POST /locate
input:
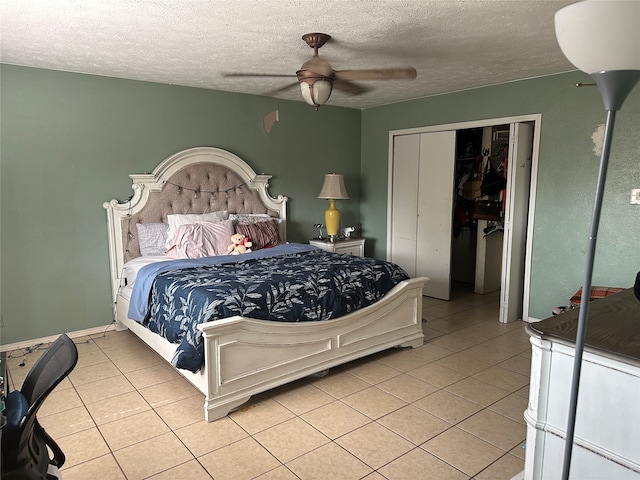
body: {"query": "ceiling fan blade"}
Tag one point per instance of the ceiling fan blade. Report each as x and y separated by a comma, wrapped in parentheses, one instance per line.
(241, 74)
(282, 89)
(318, 65)
(401, 73)
(349, 87)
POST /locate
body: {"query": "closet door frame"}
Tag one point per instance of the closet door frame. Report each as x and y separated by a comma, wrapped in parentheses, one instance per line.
(536, 119)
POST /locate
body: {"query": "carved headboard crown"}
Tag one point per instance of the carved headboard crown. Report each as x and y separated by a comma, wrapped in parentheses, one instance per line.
(197, 180)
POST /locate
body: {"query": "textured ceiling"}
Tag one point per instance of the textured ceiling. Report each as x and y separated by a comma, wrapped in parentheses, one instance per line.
(453, 44)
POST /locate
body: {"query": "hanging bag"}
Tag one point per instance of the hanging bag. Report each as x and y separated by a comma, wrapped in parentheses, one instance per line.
(492, 182)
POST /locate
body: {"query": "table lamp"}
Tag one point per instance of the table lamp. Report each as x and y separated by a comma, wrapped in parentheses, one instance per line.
(333, 189)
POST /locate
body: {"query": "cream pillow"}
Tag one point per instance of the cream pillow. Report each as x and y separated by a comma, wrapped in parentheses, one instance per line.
(175, 220)
(249, 218)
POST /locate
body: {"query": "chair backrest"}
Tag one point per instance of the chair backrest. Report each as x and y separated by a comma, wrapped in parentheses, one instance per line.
(21, 447)
(49, 370)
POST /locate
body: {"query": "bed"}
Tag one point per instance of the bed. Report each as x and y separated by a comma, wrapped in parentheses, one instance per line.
(244, 356)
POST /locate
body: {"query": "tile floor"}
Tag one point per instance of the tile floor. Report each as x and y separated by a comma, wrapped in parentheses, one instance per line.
(452, 409)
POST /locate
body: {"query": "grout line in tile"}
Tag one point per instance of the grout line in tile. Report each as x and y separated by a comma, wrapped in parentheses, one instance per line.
(466, 328)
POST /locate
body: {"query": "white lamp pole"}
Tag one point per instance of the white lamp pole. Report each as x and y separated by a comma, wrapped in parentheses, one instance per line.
(602, 38)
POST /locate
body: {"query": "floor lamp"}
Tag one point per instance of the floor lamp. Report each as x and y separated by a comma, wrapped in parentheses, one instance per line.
(602, 38)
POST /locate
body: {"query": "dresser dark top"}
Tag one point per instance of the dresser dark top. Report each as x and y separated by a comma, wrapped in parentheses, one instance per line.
(613, 327)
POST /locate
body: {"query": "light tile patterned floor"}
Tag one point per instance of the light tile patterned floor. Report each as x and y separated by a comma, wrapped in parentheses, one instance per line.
(452, 409)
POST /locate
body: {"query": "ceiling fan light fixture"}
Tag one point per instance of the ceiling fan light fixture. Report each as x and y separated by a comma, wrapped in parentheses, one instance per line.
(316, 89)
(317, 77)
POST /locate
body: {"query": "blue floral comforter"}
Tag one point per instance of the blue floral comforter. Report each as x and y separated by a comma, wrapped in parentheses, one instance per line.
(308, 285)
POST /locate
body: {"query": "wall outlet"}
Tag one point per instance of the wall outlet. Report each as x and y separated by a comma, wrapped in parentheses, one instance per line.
(635, 196)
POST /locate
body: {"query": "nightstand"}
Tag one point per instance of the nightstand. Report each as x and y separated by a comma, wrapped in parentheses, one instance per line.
(348, 246)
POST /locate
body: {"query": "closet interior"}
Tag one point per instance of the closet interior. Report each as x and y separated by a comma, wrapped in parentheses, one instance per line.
(481, 165)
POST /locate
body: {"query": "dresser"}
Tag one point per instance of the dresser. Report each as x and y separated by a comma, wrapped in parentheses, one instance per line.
(607, 428)
(347, 246)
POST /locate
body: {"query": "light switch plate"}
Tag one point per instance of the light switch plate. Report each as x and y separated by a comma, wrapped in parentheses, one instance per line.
(635, 196)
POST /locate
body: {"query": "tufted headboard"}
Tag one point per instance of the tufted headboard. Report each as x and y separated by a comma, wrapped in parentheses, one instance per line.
(197, 180)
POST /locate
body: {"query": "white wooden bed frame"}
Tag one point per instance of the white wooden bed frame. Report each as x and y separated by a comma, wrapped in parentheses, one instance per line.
(244, 357)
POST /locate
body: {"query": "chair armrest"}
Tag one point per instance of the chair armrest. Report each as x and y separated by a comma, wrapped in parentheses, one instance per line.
(58, 456)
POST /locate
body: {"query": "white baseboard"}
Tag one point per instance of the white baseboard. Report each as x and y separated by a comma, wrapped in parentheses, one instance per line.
(79, 333)
(519, 476)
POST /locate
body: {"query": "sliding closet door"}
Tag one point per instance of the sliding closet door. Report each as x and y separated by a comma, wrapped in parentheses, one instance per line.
(403, 212)
(515, 219)
(421, 211)
(435, 211)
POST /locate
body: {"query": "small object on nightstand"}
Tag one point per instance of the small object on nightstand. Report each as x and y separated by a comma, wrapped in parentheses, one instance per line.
(348, 246)
(347, 231)
(319, 226)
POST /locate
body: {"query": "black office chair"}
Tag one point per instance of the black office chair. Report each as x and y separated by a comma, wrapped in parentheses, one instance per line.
(24, 441)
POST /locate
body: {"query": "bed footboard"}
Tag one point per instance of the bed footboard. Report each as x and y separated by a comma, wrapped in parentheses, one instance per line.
(244, 357)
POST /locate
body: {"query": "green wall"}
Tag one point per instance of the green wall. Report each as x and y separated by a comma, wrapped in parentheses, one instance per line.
(567, 176)
(68, 143)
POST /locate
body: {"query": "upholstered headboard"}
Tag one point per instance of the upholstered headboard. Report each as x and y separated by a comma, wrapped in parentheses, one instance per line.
(197, 180)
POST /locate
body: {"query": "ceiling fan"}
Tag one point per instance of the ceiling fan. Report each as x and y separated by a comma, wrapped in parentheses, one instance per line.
(317, 78)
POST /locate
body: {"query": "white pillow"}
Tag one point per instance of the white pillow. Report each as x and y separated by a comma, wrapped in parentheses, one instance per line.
(152, 238)
(175, 220)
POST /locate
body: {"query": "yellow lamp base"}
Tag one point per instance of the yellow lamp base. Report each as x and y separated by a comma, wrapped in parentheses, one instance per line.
(332, 219)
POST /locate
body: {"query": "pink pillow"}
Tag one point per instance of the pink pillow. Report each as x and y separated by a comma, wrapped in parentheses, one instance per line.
(201, 239)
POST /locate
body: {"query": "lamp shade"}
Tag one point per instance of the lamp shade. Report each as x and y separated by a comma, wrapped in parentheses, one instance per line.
(600, 35)
(333, 187)
(316, 93)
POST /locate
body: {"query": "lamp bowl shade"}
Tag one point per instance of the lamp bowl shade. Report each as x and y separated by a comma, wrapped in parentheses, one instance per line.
(333, 187)
(600, 35)
(316, 92)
